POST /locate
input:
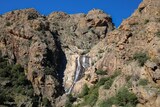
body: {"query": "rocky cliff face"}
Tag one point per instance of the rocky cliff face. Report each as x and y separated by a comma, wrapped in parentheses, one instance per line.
(123, 60)
(78, 34)
(46, 46)
(133, 49)
(27, 40)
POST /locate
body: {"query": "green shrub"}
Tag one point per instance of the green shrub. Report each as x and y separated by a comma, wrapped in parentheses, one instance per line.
(3, 63)
(70, 100)
(104, 104)
(129, 84)
(109, 102)
(49, 70)
(101, 72)
(143, 82)
(85, 90)
(30, 92)
(122, 98)
(46, 102)
(110, 79)
(2, 97)
(116, 73)
(17, 68)
(92, 97)
(18, 83)
(141, 57)
(19, 90)
(4, 72)
(5, 68)
(101, 82)
(108, 83)
(35, 101)
(68, 104)
(22, 80)
(18, 77)
(16, 71)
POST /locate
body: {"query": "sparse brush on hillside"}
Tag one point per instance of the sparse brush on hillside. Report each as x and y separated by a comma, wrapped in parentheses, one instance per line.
(101, 72)
(85, 91)
(123, 98)
(46, 102)
(41, 57)
(141, 57)
(143, 82)
(70, 100)
(14, 83)
(90, 95)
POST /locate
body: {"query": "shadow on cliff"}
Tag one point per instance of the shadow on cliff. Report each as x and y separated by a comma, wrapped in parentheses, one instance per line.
(62, 61)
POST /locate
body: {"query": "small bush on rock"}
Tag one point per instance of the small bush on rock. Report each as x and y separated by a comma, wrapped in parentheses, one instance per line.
(143, 82)
(101, 72)
(46, 102)
(92, 97)
(85, 90)
(70, 100)
(108, 83)
(141, 58)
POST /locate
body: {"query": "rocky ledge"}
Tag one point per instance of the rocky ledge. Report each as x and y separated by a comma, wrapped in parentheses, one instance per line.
(46, 46)
(124, 62)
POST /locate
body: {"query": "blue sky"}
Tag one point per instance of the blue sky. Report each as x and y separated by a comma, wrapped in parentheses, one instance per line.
(118, 9)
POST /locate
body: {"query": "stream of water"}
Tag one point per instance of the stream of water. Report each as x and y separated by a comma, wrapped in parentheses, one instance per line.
(82, 63)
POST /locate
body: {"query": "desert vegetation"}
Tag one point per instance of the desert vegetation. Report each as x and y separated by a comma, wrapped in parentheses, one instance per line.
(141, 57)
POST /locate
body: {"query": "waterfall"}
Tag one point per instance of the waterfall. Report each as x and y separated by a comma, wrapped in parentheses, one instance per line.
(78, 70)
(82, 63)
(70, 89)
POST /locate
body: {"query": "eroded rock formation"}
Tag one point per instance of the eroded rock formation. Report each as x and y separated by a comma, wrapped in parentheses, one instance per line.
(47, 48)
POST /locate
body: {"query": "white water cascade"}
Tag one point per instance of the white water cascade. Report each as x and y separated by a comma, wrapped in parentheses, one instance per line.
(82, 63)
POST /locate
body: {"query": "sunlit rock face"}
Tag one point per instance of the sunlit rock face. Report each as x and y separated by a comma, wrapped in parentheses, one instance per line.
(47, 46)
(82, 63)
(77, 34)
(138, 35)
(25, 39)
(60, 52)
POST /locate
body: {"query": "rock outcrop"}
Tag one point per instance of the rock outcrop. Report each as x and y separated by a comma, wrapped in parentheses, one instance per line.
(136, 40)
(46, 46)
(25, 39)
(125, 58)
(78, 34)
